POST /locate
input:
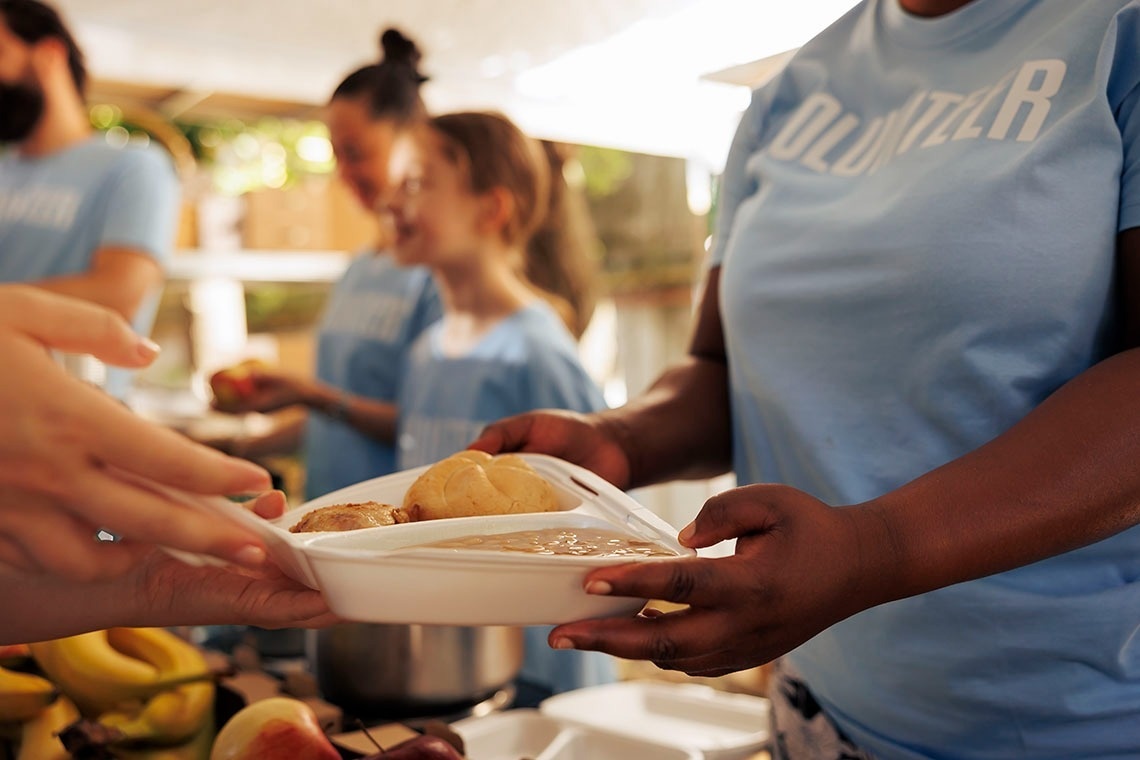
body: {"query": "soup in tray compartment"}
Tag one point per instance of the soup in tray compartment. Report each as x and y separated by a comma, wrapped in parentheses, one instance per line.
(557, 541)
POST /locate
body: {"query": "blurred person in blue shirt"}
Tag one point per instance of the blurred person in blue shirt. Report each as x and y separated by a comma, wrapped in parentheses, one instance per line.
(374, 312)
(78, 216)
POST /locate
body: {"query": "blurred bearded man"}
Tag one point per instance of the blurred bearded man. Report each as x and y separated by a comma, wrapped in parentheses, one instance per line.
(77, 216)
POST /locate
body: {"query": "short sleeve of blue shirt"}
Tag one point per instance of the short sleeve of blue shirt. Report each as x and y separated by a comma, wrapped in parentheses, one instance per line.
(737, 184)
(142, 200)
(1123, 93)
(57, 210)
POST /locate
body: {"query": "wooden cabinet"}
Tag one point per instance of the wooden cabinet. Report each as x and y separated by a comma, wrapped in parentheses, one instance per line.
(317, 213)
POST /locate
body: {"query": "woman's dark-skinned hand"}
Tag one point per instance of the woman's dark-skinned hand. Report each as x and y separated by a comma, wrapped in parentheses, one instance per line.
(587, 440)
(799, 567)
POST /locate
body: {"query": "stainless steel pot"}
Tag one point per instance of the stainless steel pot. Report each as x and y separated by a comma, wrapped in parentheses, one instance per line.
(371, 669)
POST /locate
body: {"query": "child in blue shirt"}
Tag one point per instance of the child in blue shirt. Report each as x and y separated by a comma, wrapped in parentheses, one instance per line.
(470, 189)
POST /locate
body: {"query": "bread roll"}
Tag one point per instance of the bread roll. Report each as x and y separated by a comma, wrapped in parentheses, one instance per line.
(473, 483)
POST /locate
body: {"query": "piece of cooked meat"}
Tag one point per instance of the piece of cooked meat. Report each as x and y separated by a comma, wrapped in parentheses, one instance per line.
(368, 514)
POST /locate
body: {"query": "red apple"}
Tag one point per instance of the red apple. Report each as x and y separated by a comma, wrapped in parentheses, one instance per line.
(14, 653)
(233, 384)
(278, 728)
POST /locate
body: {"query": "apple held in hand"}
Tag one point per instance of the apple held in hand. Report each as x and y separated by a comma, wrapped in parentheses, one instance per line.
(278, 728)
(233, 384)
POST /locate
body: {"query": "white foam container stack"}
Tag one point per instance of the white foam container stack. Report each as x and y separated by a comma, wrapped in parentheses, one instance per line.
(631, 720)
(385, 575)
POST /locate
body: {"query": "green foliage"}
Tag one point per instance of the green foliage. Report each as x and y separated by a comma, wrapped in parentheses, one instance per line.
(241, 156)
(271, 152)
(605, 169)
(272, 307)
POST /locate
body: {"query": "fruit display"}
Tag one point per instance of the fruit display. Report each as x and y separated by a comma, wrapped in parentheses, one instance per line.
(93, 673)
(146, 694)
(172, 711)
(128, 693)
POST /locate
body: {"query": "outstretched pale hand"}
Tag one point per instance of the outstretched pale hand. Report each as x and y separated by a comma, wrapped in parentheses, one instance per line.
(799, 567)
(172, 593)
(159, 591)
(59, 437)
(177, 594)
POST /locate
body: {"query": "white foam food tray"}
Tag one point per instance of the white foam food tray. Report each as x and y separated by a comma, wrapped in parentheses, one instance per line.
(384, 575)
(531, 735)
(629, 720)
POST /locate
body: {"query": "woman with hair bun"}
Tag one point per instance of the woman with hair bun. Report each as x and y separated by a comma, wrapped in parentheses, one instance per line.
(374, 312)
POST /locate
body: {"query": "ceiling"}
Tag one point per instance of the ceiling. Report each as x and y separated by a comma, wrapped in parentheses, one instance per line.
(657, 76)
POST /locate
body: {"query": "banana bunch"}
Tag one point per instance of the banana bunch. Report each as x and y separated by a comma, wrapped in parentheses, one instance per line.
(23, 695)
(39, 738)
(144, 691)
(105, 670)
(196, 748)
(25, 701)
(95, 675)
(171, 716)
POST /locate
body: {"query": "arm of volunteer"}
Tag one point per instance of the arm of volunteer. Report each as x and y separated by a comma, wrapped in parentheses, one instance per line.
(275, 391)
(1128, 277)
(681, 426)
(136, 234)
(376, 419)
(119, 278)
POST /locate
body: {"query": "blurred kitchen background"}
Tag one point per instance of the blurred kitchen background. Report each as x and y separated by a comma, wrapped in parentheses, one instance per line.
(643, 95)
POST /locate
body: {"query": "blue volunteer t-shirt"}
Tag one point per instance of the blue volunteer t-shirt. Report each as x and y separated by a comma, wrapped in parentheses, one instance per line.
(374, 313)
(917, 243)
(528, 361)
(57, 210)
